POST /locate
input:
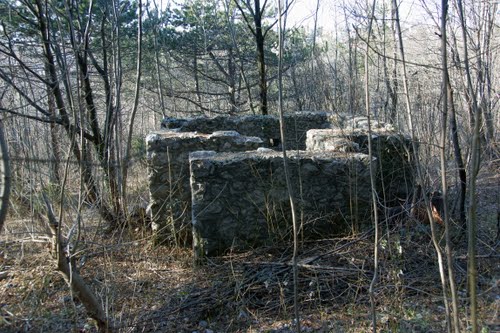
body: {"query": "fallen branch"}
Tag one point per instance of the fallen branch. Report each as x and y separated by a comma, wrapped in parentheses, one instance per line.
(74, 280)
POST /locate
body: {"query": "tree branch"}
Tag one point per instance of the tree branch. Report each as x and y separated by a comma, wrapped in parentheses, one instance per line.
(247, 21)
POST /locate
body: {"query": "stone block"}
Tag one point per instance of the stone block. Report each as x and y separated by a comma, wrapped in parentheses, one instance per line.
(240, 200)
(265, 127)
(393, 151)
(168, 174)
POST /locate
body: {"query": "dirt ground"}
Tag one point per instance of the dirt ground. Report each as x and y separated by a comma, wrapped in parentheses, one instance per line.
(145, 289)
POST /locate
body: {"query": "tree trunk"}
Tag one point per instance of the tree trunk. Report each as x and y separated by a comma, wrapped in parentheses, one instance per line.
(286, 168)
(93, 194)
(232, 82)
(475, 113)
(54, 141)
(126, 159)
(261, 61)
(82, 52)
(393, 92)
(157, 64)
(462, 174)
(74, 280)
(351, 77)
(419, 171)
(296, 89)
(197, 80)
(442, 153)
(4, 177)
(374, 194)
(230, 20)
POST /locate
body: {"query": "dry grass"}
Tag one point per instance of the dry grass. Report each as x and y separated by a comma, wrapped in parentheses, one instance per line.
(148, 289)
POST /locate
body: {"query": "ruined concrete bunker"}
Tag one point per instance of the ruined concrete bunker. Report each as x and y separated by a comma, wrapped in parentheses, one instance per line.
(218, 183)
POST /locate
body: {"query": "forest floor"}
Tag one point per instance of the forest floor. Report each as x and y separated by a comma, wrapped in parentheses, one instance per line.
(145, 289)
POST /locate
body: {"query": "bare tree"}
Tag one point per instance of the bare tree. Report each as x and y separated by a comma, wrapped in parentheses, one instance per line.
(475, 112)
(420, 176)
(241, 67)
(70, 84)
(131, 124)
(255, 25)
(286, 168)
(66, 266)
(393, 89)
(156, 46)
(442, 151)
(64, 246)
(371, 290)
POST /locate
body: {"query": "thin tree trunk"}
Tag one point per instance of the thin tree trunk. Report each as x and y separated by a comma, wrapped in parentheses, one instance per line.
(4, 177)
(442, 150)
(230, 21)
(126, 159)
(197, 80)
(114, 125)
(81, 53)
(256, 12)
(107, 160)
(92, 192)
(419, 169)
(54, 140)
(296, 89)
(157, 63)
(68, 270)
(472, 225)
(232, 82)
(261, 61)
(335, 69)
(314, 70)
(286, 168)
(371, 289)
(488, 68)
(352, 85)
(462, 174)
(475, 113)
(393, 91)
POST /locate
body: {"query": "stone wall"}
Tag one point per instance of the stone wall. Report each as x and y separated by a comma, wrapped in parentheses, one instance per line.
(240, 200)
(265, 127)
(168, 168)
(237, 197)
(393, 151)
